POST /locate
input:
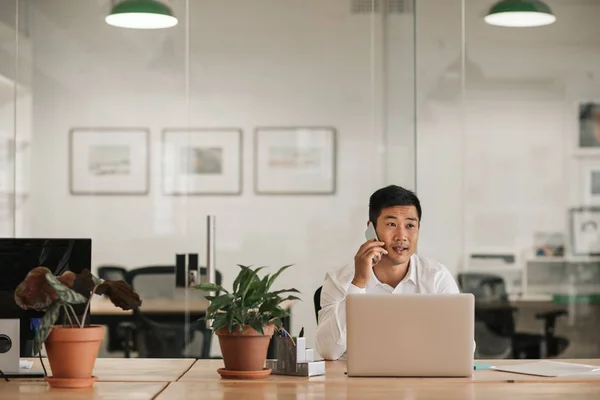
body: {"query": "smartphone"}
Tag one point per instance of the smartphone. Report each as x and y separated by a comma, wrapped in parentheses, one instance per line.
(370, 234)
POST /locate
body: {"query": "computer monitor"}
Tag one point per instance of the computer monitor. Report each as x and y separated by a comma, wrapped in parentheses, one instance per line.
(18, 256)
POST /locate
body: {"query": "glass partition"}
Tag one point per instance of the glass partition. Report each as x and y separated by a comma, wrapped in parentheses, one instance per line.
(278, 119)
(506, 144)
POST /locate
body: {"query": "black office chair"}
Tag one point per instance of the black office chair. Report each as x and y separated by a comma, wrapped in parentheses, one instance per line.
(317, 301)
(495, 332)
(112, 272)
(168, 337)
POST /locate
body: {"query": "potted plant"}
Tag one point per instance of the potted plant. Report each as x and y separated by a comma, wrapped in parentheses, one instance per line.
(244, 320)
(72, 347)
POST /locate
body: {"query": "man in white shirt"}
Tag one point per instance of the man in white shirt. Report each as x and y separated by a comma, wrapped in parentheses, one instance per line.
(396, 215)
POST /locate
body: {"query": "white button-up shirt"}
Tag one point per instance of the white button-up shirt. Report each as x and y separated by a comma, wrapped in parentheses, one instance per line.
(424, 275)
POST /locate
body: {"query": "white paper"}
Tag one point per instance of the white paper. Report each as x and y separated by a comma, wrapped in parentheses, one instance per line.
(25, 364)
(549, 368)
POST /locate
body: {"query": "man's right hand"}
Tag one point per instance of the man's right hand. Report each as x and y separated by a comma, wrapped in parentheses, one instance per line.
(363, 261)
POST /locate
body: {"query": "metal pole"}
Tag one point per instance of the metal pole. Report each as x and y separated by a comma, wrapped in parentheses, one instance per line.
(210, 248)
(210, 255)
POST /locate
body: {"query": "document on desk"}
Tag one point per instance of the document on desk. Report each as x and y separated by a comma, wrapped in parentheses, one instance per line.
(549, 369)
(25, 364)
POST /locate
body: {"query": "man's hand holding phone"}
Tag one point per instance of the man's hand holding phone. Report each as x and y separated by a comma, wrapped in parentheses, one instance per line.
(364, 260)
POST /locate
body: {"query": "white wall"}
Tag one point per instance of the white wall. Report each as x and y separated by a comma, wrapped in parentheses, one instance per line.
(256, 63)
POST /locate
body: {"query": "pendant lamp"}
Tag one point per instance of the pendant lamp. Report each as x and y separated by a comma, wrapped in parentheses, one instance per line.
(141, 14)
(520, 14)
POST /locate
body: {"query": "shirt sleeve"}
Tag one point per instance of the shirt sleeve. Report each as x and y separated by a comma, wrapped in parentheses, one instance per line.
(445, 283)
(330, 340)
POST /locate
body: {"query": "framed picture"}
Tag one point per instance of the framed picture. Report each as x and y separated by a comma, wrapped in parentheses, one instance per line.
(588, 140)
(198, 161)
(585, 231)
(109, 161)
(591, 182)
(297, 161)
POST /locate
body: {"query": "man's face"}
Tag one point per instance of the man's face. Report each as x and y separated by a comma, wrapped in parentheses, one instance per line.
(398, 228)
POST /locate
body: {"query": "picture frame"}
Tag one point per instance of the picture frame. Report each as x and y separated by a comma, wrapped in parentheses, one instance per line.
(109, 161)
(585, 231)
(202, 161)
(587, 140)
(295, 160)
(591, 182)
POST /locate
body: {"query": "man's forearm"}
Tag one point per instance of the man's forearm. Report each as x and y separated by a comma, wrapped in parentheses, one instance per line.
(330, 340)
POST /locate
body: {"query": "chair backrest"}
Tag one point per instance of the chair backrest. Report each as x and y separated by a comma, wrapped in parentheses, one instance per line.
(160, 339)
(112, 272)
(485, 287)
(169, 340)
(158, 281)
(317, 301)
(494, 316)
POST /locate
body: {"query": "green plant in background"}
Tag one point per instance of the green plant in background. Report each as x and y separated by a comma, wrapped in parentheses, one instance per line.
(251, 302)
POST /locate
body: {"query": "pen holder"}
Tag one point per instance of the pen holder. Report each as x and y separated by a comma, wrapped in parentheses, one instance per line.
(291, 358)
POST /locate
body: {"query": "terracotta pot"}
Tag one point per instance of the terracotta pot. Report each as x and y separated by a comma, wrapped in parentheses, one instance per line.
(72, 353)
(245, 351)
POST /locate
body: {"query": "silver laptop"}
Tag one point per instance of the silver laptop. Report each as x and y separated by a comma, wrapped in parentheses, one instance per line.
(403, 335)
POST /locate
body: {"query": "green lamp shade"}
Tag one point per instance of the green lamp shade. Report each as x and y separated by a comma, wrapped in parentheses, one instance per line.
(520, 13)
(141, 14)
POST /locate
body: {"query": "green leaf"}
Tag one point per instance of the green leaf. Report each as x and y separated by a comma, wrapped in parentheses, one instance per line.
(245, 285)
(278, 292)
(241, 276)
(210, 287)
(219, 322)
(290, 298)
(257, 325)
(219, 302)
(46, 324)
(268, 306)
(64, 293)
(279, 312)
(276, 275)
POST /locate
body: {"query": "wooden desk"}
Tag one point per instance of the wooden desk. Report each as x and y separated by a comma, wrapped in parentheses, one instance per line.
(384, 390)
(28, 390)
(150, 376)
(103, 306)
(134, 369)
(206, 371)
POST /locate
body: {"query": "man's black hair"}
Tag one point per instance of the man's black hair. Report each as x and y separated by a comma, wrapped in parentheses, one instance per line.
(391, 196)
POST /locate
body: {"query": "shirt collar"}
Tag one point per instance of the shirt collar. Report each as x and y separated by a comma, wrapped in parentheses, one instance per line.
(412, 269)
(411, 274)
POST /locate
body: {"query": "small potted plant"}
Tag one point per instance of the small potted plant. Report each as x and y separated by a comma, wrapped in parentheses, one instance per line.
(72, 347)
(244, 320)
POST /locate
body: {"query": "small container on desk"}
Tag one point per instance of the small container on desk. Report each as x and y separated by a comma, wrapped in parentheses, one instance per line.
(293, 358)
